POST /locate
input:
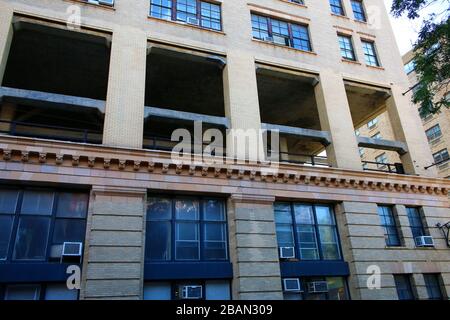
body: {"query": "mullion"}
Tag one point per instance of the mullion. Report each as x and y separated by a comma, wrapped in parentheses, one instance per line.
(12, 237)
(318, 238)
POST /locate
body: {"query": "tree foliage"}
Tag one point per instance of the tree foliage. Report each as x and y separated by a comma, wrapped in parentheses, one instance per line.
(431, 53)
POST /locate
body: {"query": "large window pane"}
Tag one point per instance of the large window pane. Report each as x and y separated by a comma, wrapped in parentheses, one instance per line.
(337, 288)
(187, 241)
(31, 238)
(215, 241)
(324, 215)
(60, 291)
(186, 209)
(283, 213)
(6, 223)
(22, 292)
(404, 287)
(69, 230)
(328, 242)
(433, 286)
(159, 208)
(213, 210)
(37, 202)
(73, 205)
(158, 240)
(8, 201)
(304, 214)
(285, 235)
(308, 242)
(157, 291)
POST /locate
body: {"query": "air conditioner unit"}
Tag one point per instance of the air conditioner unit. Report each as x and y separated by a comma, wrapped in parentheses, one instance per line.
(291, 285)
(191, 292)
(317, 287)
(287, 252)
(193, 21)
(72, 249)
(424, 241)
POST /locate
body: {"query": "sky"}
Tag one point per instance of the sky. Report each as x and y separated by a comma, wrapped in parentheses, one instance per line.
(406, 30)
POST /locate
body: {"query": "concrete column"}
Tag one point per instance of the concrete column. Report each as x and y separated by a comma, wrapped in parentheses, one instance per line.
(253, 248)
(405, 123)
(241, 103)
(124, 116)
(113, 265)
(335, 117)
(6, 34)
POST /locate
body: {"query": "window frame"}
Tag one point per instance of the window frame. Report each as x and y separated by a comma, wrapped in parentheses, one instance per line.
(290, 25)
(198, 5)
(201, 223)
(294, 227)
(372, 55)
(340, 7)
(387, 233)
(434, 136)
(360, 5)
(417, 229)
(350, 50)
(439, 153)
(43, 286)
(17, 215)
(438, 279)
(410, 288)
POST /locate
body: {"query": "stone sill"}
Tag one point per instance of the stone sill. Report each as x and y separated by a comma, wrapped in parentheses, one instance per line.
(93, 5)
(351, 62)
(185, 25)
(339, 16)
(295, 4)
(375, 67)
(284, 47)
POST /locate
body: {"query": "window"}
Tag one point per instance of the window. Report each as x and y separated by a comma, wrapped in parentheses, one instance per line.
(310, 228)
(357, 133)
(346, 46)
(297, 1)
(358, 10)
(415, 222)
(433, 133)
(433, 284)
(361, 151)
(424, 114)
(381, 160)
(372, 123)
(376, 136)
(42, 221)
(196, 12)
(370, 53)
(281, 32)
(50, 291)
(207, 290)
(109, 3)
(183, 229)
(336, 7)
(410, 66)
(336, 289)
(391, 233)
(404, 287)
(441, 156)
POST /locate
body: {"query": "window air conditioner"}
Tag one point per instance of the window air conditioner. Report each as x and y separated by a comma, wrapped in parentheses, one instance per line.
(291, 285)
(317, 287)
(424, 241)
(191, 292)
(72, 249)
(287, 252)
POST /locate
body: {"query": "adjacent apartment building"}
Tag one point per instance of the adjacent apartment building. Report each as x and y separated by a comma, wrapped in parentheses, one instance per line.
(436, 127)
(90, 94)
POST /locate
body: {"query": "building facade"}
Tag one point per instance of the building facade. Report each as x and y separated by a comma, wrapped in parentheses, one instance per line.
(91, 92)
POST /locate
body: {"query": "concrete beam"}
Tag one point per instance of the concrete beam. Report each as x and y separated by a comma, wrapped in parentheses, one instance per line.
(381, 144)
(322, 136)
(181, 115)
(38, 98)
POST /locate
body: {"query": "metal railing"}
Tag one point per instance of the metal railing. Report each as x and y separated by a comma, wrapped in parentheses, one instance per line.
(304, 159)
(32, 130)
(384, 167)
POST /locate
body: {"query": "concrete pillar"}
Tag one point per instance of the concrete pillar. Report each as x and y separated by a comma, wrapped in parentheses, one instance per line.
(6, 34)
(7, 112)
(335, 117)
(253, 248)
(113, 264)
(241, 103)
(405, 123)
(124, 116)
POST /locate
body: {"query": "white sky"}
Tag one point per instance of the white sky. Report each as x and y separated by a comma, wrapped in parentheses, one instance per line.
(406, 30)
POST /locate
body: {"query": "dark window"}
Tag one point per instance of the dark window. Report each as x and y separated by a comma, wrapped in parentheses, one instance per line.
(370, 53)
(297, 1)
(415, 222)
(34, 223)
(183, 229)
(404, 287)
(433, 284)
(336, 7)
(391, 233)
(358, 10)
(346, 46)
(336, 289)
(196, 12)
(441, 156)
(433, 133)
(37, 291)
(281, 32)
(310, 228)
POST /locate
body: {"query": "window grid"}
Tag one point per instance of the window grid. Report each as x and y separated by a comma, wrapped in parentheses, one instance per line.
(306, 233)
(433, 285)
(281, 32)
(198, 226)
(441, 156)
(370, 53)
(391, 233)
(358, 10)
(404, 287)
(346, 46)
(415, 222)
(336, 7)
(433, 133)
(208, 14)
